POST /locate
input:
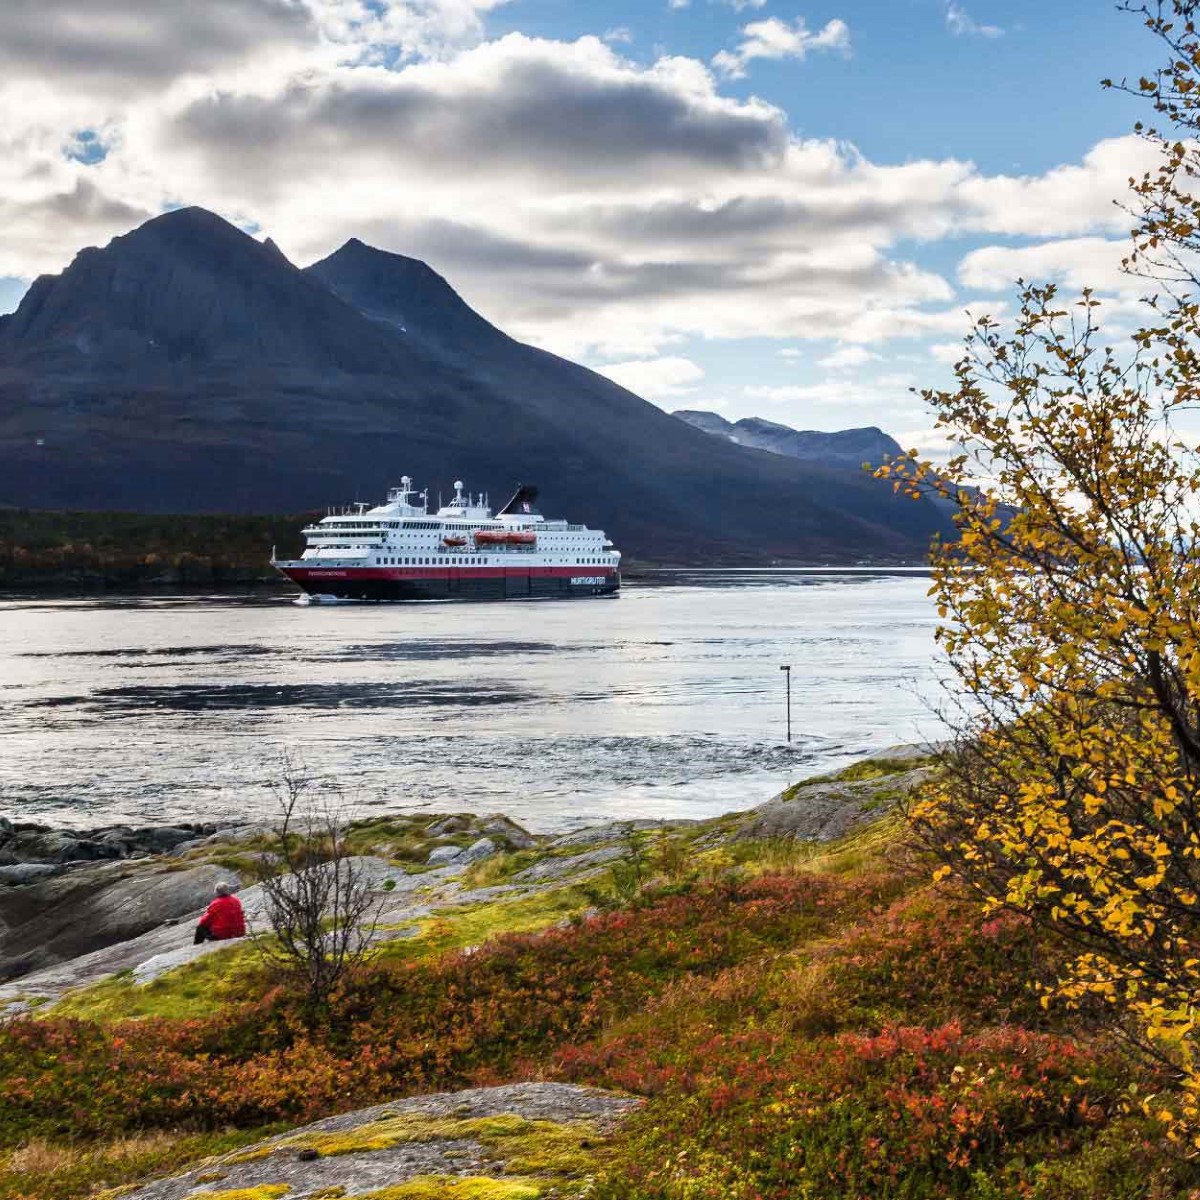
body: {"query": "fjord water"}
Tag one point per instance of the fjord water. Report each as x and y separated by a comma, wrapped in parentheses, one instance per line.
(667, 701)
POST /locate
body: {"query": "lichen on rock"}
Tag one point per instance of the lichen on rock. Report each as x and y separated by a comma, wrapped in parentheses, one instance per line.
(447, 1187)
(512, 1142)
(264, 1191)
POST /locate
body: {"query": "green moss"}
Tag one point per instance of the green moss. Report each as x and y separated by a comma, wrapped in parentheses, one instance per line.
(196, 989)
(471, 925)
(405, 840)
(398, 838)
(532, 1152)
(241, 863)
(866, 771)
(859, 851)
(449, 1187)
(498, 867)
(254, 1154)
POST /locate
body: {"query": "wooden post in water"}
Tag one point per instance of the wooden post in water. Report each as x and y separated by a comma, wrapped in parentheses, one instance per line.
(788, 674)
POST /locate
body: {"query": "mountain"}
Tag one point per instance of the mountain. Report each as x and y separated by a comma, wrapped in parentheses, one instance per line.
(846, 447)
(187, 367)
(188, 290)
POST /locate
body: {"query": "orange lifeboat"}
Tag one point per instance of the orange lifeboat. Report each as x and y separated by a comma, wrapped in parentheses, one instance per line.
(505, 537)
(454, 541)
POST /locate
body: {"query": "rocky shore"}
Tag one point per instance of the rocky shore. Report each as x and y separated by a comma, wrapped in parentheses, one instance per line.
(82, 905)
(29, 851)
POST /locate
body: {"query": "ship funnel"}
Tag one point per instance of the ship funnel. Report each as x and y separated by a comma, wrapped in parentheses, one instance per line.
(522, 503)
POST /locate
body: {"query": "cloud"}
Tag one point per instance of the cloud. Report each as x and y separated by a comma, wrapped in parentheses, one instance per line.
(846, 358)
(115, 45)
(657, 379)
(776, 39)
(50, 228)
(1075, 263)
(584, 201)
(947, 352)
(386, 30)
(520, 107)
(1074, 198)
(875, 394)
(618, 35)
(961, 24)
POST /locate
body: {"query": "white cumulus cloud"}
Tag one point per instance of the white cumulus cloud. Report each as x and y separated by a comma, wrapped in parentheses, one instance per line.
(657, 379)
(1075, 263)
(775, 39)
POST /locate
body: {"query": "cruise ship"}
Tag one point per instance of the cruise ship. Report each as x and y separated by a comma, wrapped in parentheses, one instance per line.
(399, 550)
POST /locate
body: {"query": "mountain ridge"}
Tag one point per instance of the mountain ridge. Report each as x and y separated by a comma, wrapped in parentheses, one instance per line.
(851, 447)
(188, 367)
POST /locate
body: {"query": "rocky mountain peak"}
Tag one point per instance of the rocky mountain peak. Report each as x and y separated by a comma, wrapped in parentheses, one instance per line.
(843, 447)
(404, 293)
(188, 287)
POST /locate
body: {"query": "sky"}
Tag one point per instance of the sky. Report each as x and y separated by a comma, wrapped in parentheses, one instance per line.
(758, 207)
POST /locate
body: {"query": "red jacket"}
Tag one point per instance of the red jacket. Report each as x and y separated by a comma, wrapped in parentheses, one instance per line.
(224, 918)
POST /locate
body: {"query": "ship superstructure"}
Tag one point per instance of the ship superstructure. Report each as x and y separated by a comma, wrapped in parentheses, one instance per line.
(399, 550)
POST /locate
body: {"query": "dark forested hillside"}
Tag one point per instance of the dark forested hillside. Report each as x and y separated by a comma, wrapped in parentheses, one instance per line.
(132, 549)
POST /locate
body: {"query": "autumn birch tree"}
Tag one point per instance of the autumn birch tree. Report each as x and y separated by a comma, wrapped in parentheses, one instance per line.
(1070, 606)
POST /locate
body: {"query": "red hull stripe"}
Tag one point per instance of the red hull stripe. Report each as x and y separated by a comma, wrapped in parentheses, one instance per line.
(309, 574)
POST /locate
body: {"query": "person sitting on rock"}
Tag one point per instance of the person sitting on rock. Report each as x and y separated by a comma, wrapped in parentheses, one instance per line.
(222, 919)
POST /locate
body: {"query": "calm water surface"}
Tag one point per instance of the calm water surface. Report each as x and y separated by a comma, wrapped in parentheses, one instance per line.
(665, 702)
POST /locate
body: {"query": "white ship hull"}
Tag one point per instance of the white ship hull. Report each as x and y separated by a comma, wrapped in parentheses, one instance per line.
(400, 551)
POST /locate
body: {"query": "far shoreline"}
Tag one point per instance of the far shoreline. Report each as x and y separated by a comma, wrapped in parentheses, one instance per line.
(65, 587)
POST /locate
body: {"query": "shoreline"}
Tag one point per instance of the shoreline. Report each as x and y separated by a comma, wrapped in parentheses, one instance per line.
(139, 884)
(222, 583)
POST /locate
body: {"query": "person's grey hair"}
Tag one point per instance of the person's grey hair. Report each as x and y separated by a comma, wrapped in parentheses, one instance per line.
(222, 889)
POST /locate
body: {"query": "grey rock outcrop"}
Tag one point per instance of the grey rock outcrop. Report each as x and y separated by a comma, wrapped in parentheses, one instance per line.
(820, 811)
(446, 826)
(401, 899)
(484, 848)
(159, 838)
(609, 831)
(441, 855)
(19, 873)
(29, 843)
(55, 919)
(295, 1160)
(576, 865)
(497, 825)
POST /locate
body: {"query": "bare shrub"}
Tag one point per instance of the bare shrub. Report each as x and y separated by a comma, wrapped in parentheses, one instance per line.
(319, 907)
